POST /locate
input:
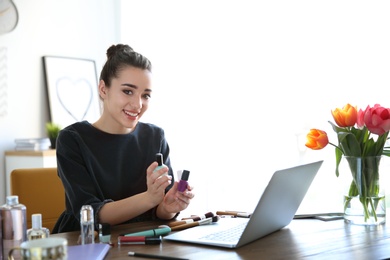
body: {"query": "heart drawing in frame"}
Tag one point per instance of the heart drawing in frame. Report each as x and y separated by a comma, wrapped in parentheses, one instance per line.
(72, 90)
(75, 96)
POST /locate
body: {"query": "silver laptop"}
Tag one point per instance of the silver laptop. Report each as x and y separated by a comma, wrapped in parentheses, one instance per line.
(275, 210)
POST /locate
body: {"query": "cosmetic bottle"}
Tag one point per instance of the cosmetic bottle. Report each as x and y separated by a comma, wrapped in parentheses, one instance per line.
(104, 233)
(13, 224)
(1, 237)
(37, 231)
(160, 161)
(87, 225)
(183, 182)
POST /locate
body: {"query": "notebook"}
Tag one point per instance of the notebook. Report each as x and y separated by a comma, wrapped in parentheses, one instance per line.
(276, 209)
(95, 251)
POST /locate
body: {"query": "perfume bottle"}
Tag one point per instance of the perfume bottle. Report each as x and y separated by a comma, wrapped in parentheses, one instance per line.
(87, 225)
(1, 237)
(37, 231)
(13, 224)
(160, 161)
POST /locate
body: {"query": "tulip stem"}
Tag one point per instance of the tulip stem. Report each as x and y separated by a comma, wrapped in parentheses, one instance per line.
(335, 146)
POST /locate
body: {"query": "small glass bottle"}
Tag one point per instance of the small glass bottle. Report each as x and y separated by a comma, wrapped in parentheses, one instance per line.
(13, 224)
(87, 225)
(37, 231)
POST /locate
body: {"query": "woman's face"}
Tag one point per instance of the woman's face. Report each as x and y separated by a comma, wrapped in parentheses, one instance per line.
(126, 100)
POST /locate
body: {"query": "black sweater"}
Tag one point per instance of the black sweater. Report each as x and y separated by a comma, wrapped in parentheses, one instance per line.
(96, 168)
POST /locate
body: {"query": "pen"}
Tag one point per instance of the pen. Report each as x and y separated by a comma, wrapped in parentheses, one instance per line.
(322, 216)
(155, 256)
(140, 240)
(151, 233)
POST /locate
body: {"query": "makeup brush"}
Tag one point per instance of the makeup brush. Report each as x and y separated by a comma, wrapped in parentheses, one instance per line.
(197, 218)
(193, 224)
(187, 221)
(180, 222)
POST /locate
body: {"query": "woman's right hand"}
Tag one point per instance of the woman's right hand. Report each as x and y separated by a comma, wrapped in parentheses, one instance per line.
(157, 182)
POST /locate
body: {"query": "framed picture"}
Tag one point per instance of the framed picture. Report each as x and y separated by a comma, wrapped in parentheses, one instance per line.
(72, 90)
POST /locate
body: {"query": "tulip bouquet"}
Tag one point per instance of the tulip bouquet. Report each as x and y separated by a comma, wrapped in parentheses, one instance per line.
(361, 134)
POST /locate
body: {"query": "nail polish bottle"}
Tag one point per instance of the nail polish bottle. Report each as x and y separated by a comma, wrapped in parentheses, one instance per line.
(160, 161)
(37, 231)
(104, 233)
(183, 182)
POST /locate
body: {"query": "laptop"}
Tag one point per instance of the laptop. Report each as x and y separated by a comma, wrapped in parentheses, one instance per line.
(275, 210)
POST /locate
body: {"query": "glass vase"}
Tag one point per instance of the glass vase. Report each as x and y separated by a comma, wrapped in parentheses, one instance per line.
(364, 199)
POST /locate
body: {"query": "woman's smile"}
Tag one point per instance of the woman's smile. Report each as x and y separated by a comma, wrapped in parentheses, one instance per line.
(131, 115)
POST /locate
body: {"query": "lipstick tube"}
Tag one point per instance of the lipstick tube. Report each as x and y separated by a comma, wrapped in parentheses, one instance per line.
(139, 240)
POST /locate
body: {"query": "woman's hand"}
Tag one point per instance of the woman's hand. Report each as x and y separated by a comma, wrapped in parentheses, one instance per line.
(175, 201)
(157, 182)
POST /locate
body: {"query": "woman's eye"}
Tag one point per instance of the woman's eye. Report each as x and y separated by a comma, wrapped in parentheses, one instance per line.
(147, 96)
(128, 92)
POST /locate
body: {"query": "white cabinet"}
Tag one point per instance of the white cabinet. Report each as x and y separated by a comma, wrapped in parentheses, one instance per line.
(26, 159)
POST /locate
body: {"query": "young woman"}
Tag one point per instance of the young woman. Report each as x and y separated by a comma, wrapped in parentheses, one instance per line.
(111, 163)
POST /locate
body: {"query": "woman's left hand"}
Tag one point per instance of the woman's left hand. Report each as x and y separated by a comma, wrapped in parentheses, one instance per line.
(175, 201)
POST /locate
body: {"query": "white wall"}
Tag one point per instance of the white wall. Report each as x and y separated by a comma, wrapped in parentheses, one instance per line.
(238, 83)
(71, 28)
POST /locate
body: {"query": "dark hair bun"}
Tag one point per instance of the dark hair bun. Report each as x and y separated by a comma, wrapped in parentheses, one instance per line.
(114, 49)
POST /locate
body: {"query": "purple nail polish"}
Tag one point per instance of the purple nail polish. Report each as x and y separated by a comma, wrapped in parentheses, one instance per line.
(183, 182)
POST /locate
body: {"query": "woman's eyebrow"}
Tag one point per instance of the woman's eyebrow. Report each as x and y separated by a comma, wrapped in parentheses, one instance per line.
(135, 87)
(129, 85)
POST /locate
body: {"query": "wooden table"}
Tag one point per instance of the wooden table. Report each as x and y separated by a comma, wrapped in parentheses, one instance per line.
(301, 239)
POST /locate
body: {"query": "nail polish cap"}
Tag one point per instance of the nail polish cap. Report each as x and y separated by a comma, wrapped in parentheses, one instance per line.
(12, 200)
(185, 175)
(159, 159)
(153, 240)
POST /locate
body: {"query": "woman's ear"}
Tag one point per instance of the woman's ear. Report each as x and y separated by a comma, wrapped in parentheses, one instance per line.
(102, 89)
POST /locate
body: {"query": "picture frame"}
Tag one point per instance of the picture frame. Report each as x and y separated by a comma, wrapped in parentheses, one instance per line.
(72, 89)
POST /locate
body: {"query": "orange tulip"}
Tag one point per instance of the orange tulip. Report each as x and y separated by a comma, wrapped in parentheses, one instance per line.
(316, 139)
(347, 116)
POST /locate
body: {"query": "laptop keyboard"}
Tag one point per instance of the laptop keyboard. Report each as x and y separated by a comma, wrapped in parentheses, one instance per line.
(228, 235)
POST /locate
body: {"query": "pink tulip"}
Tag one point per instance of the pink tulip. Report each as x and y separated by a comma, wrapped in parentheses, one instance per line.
(360, 119)
(377, 119)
